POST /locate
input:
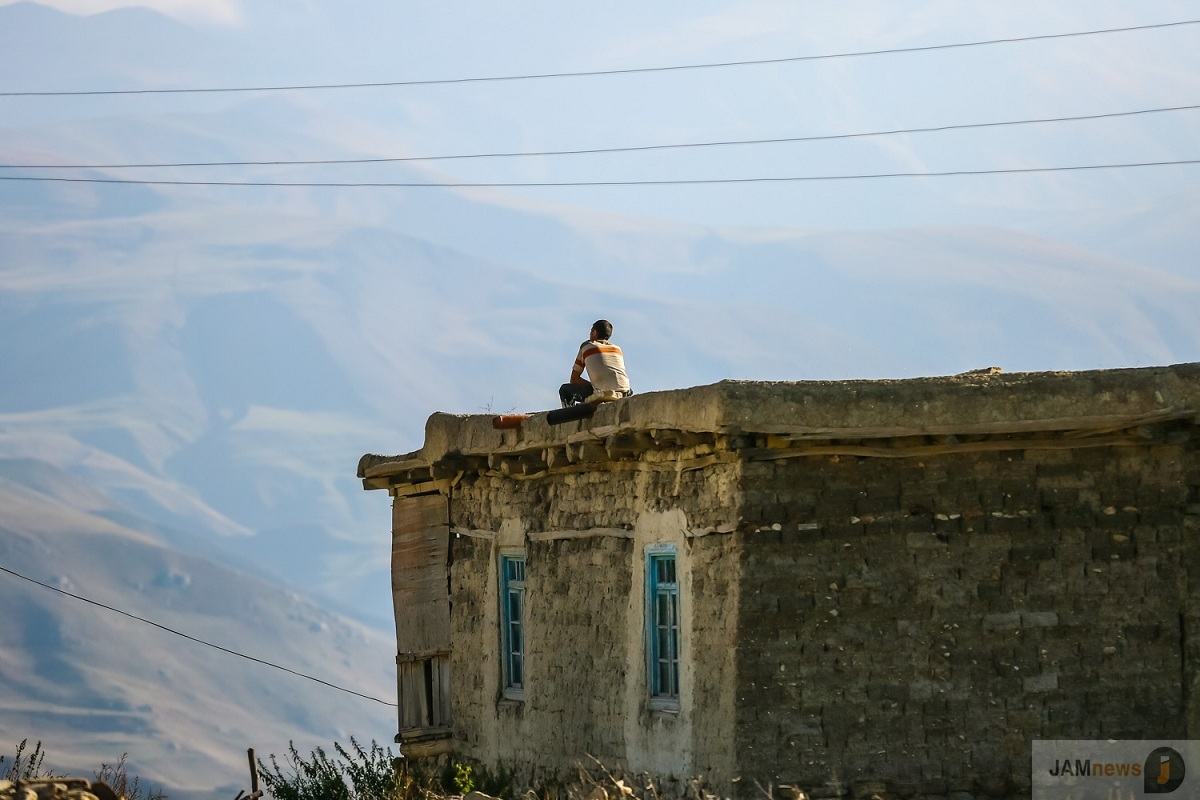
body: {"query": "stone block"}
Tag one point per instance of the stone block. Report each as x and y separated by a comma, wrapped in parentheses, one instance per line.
(1006, 621)
(1044, 682)
(1039, 619)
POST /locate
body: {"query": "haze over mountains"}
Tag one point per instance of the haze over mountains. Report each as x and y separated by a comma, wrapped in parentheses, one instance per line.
(190, 373)
(91, 684)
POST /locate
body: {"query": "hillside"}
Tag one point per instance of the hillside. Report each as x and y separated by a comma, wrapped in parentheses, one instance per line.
(92, 684)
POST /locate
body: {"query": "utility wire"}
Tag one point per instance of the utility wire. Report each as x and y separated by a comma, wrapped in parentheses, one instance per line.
(667, 182)
(608, 150)
(598, 73)
(194, 639)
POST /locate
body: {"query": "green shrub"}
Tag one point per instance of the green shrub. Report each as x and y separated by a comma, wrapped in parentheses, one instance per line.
(463, 781)
(362, 775)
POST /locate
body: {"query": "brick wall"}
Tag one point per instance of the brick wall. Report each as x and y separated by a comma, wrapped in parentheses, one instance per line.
(585, 693)
(598, 499)
(904, 625)
(949, 610)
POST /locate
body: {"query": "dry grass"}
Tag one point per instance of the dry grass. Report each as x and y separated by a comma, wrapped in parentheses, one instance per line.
(26, 765)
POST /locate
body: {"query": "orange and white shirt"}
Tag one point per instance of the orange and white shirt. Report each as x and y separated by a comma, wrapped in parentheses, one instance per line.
(605, 366)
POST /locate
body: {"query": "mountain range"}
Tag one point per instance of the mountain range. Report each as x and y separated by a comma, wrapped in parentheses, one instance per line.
(191, 372)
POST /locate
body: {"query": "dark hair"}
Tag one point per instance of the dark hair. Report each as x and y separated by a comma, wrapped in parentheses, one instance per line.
(603, 328)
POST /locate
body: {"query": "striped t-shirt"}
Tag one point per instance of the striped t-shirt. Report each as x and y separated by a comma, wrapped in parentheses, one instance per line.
(605, 366)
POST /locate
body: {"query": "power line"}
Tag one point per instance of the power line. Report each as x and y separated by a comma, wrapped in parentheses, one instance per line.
(609, 150)
(606, 72)
(194, 639)
(667, 182)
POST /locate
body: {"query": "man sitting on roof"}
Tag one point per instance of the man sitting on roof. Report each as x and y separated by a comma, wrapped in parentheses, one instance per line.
(605, 368)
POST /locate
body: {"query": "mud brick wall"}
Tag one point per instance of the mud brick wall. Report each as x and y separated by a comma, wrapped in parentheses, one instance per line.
(474, 631)
(715, 591)
(585, 692)
(577, 617)
(919, 621)
(576, 609)
(597, 499)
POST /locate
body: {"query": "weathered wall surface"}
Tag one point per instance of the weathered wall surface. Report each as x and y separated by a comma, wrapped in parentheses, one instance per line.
(885, 587)
(715, 591)
(475, 633)
(584, 537)
(951, 609)
(595, 499)
(576, 619)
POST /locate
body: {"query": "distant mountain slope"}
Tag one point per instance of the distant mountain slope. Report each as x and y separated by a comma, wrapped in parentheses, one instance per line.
(91, 684)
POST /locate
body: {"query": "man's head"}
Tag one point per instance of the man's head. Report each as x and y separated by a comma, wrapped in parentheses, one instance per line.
(601, 329)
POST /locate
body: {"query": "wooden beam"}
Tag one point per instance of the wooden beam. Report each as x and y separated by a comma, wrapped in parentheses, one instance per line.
(591, 533)
(1084, 425)
(982, 446)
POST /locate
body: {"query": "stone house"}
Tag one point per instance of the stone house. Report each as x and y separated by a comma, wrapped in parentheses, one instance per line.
(851, 587)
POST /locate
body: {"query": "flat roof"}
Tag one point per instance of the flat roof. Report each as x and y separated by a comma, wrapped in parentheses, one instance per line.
(979, 403)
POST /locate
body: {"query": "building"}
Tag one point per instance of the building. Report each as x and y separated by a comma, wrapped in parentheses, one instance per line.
(873, 586)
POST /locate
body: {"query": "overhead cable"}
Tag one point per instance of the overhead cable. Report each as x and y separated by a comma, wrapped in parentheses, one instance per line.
(606, 72)
(609, 150)
(545, 184)
(194, 639)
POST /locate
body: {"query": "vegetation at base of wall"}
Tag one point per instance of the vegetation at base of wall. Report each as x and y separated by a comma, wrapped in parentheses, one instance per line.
(364, 774)
(372, 773)
(26, 765)
(464, 783)
(461, 778)
(375, 774)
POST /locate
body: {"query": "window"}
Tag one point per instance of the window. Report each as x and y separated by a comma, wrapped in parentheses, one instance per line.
(512, 604)
(662, 627)
(424, 691)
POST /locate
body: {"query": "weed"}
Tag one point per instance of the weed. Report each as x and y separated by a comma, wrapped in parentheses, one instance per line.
(355, 774)
(24, 767)
(125, 786)
(463, 782)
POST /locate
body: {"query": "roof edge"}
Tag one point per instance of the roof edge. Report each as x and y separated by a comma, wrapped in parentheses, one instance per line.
(979, 402)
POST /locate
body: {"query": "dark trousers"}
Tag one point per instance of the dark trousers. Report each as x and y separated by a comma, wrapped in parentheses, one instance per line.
(572, 393)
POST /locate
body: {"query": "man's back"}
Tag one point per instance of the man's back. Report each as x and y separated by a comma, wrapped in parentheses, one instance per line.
(605, 365)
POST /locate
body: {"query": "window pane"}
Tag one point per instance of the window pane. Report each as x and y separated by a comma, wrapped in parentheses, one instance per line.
(512, 602)
(663, 626)
(516, 667)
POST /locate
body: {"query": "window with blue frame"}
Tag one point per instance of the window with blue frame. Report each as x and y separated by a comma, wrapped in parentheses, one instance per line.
(512, 604)
(662, 626)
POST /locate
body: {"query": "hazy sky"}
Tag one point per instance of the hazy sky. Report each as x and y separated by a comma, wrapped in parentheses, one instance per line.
(265, 43)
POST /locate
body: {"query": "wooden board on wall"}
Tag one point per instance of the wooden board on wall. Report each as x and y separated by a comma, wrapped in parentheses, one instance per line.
(420, 591)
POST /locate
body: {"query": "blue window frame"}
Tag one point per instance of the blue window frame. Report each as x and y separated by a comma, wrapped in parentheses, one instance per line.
(512, 603)
(662, 626)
